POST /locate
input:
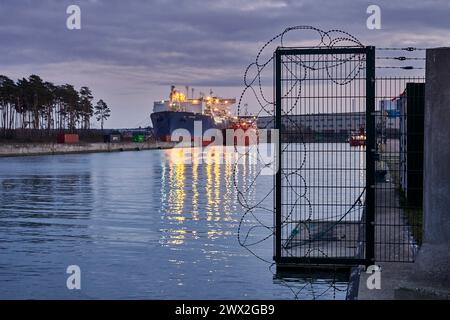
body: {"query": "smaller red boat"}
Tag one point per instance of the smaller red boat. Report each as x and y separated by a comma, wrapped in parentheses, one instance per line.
(245, 126)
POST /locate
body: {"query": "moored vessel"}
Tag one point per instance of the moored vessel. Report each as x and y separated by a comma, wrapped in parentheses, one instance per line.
(193, 116)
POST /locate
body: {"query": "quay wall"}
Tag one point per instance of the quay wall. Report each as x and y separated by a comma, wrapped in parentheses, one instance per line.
(33, 149)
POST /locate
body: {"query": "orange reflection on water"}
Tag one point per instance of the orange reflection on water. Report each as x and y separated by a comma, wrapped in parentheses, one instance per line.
(176, 181)
(213, 158)
(177, 237)
(200, 186)
(195, 164)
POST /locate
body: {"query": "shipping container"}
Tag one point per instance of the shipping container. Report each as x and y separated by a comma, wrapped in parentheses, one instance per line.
(138, 137)
(68, 138)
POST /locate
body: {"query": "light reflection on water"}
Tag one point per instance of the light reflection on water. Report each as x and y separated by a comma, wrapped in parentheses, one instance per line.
(139, 225)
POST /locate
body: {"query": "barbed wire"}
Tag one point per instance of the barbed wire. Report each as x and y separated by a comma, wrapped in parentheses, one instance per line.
(401, 67)
(414, 56)
(402, 49)
(253, 85)
(402, 58)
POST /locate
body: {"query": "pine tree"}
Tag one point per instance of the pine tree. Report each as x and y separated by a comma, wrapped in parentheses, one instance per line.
(102, 112)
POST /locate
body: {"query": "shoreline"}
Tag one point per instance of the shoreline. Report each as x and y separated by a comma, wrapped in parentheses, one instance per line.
(41, 149)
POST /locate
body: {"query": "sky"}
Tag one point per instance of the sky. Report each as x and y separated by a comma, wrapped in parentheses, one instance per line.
(130, 52)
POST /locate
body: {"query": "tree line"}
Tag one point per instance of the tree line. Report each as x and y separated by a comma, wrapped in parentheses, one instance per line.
(32, 103)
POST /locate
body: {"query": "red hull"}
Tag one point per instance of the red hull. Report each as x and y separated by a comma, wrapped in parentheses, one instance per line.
(357, 143)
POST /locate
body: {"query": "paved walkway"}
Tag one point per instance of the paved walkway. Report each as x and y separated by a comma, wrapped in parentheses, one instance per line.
(393, 243)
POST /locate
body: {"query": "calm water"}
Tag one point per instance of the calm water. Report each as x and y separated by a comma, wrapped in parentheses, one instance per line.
(140, 225)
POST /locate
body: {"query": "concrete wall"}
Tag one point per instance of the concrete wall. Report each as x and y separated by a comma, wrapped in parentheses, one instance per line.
(437, 148)
(432, 266)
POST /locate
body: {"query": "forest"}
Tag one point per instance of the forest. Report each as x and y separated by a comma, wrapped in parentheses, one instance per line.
(32, 103)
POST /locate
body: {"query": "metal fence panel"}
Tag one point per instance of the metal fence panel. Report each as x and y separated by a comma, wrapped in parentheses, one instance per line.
(324, 201)
(399, 167)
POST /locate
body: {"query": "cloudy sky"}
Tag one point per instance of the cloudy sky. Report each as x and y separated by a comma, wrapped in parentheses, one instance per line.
(130, 52)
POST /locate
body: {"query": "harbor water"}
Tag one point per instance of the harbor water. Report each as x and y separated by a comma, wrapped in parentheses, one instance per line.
(140, 225)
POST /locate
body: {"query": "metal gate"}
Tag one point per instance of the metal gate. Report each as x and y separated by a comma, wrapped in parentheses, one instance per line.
(324, 188)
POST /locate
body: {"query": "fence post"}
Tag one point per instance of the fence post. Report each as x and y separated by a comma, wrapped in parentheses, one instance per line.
(370, 156)
(278, 125)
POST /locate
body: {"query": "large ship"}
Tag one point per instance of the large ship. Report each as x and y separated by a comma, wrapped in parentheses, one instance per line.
(182, 112)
